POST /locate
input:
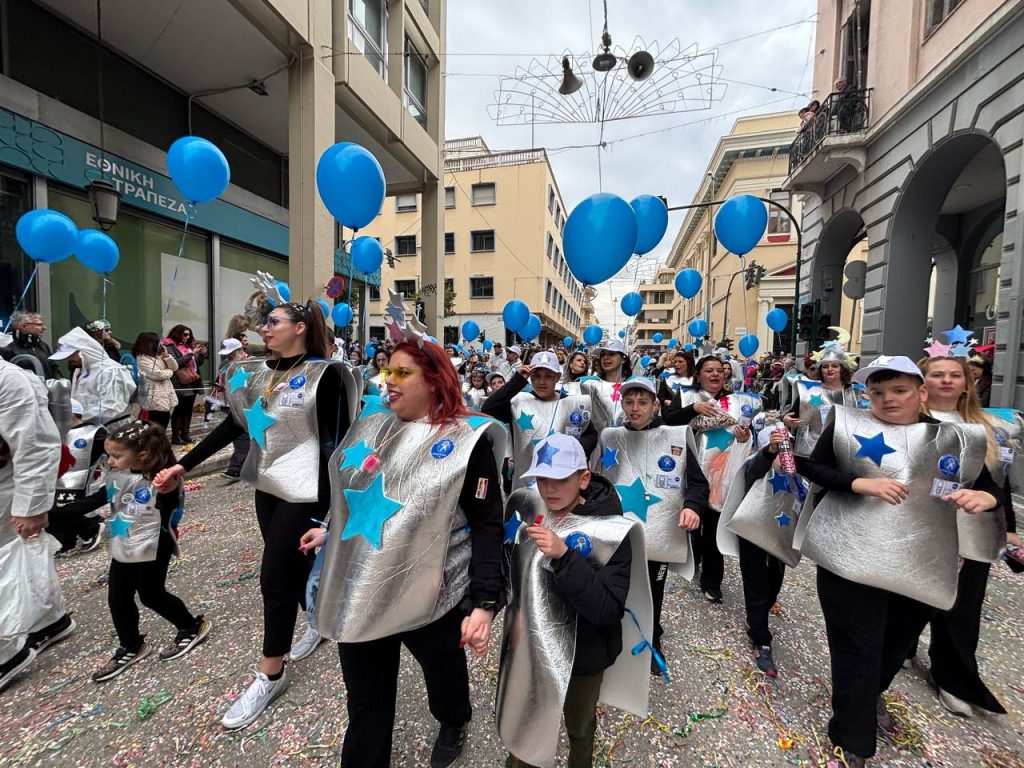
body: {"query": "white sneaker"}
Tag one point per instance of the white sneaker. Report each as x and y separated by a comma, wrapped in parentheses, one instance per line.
(306, 644)
(254, 700)
(955, 705)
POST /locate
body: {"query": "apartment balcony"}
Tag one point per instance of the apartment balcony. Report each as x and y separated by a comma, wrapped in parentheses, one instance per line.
(834, 138)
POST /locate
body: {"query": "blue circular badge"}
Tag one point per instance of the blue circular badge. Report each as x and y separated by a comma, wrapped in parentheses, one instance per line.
(666, 463)
(576, 418)
(442, 448)
(143, 495)
(297, 382)
(747, 410)
(999, 434)
(949, 465)
(580, 542)
(81, 443)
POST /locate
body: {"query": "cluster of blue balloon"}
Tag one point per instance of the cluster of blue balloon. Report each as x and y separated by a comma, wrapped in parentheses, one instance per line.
(470, 330)
(517, 318)
(50, 236)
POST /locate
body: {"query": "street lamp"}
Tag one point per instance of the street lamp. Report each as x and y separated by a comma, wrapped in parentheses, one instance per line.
(105, 201)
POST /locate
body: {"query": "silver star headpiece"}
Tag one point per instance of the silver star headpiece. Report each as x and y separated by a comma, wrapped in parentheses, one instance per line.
(401, 325)
(266, 296)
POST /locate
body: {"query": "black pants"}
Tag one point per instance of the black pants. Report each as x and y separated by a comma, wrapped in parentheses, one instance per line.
(163, 418)
(238, 455)
(181, 416)
(869, 631)
(149, 581)
(762, 579)
(658, 574)
(68, 522)
(284, 570)
(705, 546)
(580, 712)
(370, 671)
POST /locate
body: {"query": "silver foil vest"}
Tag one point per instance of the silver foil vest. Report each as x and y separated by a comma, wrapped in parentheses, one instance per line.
(908, 548)
(289, 466)
(83, 475)
(539, 639)
(787, 388)
(473, 396)
(134, 526)
(607, 401)
(418, 570)
(767, 514)
(656, 457)
(59, 404)
(1009, 435)
(534, 419)
(678, 383)
(816, 404)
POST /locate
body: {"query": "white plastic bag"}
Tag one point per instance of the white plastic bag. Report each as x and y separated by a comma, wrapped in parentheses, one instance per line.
(30, 590)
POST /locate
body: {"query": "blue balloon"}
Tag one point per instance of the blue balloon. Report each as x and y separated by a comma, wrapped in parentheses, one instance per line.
(531, 330)
(488, 344)
(341, 315)
(777, 320)
(515, 314)
(748, 345)
(470, 330)
(567, 341)
(645, 361)
(673, 343)
(599, 237)
(622, 334)
(324, 307)
(198, 168)
(97, 250)
(632, 303)
(351, 184)
(284, 289)
(652, 221)
(367, 254)
(658, 338)
(740, 223)
(593, 334)
(688, 283)
(370, 351)
(689, 347)
(698, 328)
(45, 235)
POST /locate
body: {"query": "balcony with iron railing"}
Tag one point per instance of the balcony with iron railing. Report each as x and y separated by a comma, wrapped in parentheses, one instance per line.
(831, 139)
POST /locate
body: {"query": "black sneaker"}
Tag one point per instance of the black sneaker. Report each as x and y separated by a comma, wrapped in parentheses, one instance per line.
(43, 638)
(120, 661)
(764, 661)
(186, 640)
(448, 747)
(712, 594)
(10, 669)
(231, 475)
(655, 668)
(886, 725)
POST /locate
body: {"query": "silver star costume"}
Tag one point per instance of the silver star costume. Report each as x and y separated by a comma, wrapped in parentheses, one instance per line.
(474, 396)
(421, 569)
(764, 516)
(534, 419)
(657, 457)
(816, 402)
(678, 383)
(539, 640)
(133, 502)
(606, 399)
(289, 466)
(909, 548)
(83, 476)
(1009, 435)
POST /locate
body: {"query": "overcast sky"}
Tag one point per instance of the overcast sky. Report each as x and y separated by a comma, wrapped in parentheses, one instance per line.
(489, 38)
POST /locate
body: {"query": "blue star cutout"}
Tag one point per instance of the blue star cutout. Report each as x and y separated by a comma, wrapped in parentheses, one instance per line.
(112, 490)
(960, 351)
(478, 421)
(368, 510)
(545, 454)
(811, 384)
(259, 421)
(873, 448)
(239, 379)
(356, 455)
(372, 404)
(719, 438)
(397, 313)
(609, 458)
(581, 379)
(783, 519)
(634, 498)
(525, 421)
(779, 483)
(119, 527)
(815, 399)
(957, 335)
(512, 528)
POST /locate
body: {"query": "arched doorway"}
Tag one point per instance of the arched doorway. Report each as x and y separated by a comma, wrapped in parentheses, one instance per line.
(842, 241)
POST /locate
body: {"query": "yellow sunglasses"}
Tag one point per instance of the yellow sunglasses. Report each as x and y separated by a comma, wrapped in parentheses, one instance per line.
(398, 375)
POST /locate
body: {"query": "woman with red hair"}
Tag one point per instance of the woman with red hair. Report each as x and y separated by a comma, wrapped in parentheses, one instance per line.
(412, 553)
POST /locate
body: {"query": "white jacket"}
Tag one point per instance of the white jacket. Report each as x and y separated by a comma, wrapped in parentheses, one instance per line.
(103, 387)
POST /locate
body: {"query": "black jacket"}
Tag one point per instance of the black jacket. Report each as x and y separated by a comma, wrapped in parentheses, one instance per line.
(597, 593)
(26, 344)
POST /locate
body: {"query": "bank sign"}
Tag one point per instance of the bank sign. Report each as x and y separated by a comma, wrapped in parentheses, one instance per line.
(42, 151)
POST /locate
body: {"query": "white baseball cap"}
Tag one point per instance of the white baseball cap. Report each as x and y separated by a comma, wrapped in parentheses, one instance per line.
(546, 360)
(557, 457)
(228, 346)
(64, 351)
(897, 363)
(614, 345)
(515, 348)
(638, 382)
(76, 407)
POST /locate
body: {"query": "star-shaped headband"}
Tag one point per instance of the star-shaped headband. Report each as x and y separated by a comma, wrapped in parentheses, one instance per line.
(403, 326)
(834, 352)
(961, 343)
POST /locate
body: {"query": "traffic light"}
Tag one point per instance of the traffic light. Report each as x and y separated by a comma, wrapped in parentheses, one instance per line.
(727, 344)
(824, 334)
(482, 337)
(753, 274)
(806, 325)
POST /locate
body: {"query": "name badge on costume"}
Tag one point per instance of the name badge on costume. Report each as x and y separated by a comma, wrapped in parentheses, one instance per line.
(668, 482)
(1006, 455)
(481, 488)
(944, 487)
(949, 465)
(294, 398)
(574, 431)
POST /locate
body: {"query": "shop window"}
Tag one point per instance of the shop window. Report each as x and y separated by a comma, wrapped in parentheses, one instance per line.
(481, 287)
(482, 240)
(484, 194)
(238, 264)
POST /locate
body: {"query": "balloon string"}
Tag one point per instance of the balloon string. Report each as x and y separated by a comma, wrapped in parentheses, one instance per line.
(746, 314)
(24, 293)
(351, 272)
(190, 211)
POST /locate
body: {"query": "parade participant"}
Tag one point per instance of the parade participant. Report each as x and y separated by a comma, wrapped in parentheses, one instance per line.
(475, 391)
(188, 384)
(813, 400)
(680, 377)
(720, 421)
(612, 369)
(495, 381)
(27, 329)
(562, 359)
(295, 407)
(656, 473)
(576, 366)
(103, 387)
(156, 369)
(373, 374)
(580, 602)
(544, 409)
(884, 537)
(511, 363)
(141, 544)
(100, 331)
(413, 551)
(81, 487)
(232, 350)
(981, 368)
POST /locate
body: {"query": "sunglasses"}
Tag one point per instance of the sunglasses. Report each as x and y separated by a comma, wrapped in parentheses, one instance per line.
(274, 321)
(399, 374)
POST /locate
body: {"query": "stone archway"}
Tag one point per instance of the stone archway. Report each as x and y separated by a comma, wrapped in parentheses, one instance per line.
(842, 239)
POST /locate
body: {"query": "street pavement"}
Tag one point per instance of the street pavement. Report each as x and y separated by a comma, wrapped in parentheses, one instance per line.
(716, 711)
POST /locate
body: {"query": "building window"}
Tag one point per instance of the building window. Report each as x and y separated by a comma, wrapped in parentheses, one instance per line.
(548, 288)
(374, 293)
(449, 285)
(368, 31)
(405, 203)
(377, 332)
(551, 245)
(778, 221)
(415, 83)
(938, 10)
(449, 242)
(406, 287)
(484, 194)
(551, 200)
(449, 197)
(481, 287)
(481, 240)
(405, 245)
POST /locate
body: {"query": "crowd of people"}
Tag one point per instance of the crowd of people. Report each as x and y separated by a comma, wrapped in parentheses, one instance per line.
(409, 492)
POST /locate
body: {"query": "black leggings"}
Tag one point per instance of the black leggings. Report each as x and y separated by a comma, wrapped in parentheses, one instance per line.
(285, 569)
(149, 581)
(163, 418)
(181, 416)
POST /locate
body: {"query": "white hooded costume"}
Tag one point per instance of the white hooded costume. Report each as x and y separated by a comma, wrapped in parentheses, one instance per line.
(103, 387)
